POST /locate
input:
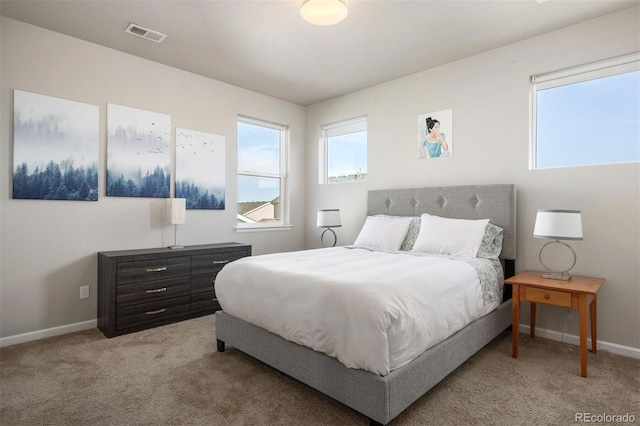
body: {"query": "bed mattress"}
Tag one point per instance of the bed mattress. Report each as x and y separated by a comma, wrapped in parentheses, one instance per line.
(372, 310)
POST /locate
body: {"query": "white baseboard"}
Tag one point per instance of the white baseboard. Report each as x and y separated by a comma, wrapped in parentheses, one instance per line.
(540, 332)
(49, 332)
(575, 340)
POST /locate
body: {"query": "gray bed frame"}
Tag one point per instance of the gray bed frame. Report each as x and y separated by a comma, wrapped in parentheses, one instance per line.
(381, 398)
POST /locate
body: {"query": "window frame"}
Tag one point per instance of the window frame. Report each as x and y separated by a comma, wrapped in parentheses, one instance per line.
(284, 222)
(340, 128)
(592, 71)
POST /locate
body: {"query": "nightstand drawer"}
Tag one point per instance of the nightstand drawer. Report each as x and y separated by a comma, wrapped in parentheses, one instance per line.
(551, 297)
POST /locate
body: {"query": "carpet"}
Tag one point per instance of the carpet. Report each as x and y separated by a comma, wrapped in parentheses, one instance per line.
(173, 375)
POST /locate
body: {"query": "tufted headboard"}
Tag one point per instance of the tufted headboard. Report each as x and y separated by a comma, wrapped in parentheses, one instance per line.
(494, 202)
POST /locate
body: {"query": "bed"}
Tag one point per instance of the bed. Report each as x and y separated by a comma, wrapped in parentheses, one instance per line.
(383, 394)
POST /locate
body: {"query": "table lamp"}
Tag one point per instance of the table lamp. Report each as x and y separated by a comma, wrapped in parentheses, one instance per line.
(329, 218)
(558, 225)
(176, 215)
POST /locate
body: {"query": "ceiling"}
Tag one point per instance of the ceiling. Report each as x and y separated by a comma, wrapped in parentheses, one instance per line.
(266, 46)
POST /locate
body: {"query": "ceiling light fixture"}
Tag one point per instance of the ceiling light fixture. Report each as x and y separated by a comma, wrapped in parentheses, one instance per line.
(324, 12)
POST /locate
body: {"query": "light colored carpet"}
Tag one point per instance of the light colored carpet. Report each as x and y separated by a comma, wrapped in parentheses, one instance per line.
(172, 375)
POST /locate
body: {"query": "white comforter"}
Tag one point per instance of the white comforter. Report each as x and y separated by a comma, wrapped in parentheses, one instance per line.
(371, 310)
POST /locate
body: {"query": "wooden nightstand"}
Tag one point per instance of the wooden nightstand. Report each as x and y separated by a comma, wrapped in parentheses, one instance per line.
(576, 293)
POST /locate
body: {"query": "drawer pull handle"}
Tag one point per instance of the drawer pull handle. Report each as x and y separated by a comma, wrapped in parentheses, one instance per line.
(157, 290)
(546, 296)
(218, 262)
(160, 269)
(159, 311)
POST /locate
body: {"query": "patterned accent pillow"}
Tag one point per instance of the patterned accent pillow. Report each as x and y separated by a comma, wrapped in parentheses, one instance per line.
(412, 233)
(491, 245)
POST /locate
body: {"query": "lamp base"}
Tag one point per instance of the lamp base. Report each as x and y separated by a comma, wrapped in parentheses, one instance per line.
(335, 238)
(175, 247)
(563, 276)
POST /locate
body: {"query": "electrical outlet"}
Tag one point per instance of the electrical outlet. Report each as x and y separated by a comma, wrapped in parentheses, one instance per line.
(84, 292)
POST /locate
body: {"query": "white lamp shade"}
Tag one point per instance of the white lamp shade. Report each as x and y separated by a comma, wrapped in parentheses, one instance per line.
(558, 224)
(329, 218)
(176, 210)
(324, 12)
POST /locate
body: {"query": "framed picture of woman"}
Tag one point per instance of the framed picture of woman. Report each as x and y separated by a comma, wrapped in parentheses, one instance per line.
(435, 134)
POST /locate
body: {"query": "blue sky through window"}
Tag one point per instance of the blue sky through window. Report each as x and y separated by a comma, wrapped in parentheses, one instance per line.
(258, 152)
(591, 122)
(347, 154)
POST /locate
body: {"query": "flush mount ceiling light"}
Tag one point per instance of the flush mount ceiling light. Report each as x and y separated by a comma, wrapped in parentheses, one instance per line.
(324, 12)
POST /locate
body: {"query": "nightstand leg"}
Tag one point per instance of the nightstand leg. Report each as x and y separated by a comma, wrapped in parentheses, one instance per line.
(532, 319)
(515, 318)
(582, 308)
(594, 324)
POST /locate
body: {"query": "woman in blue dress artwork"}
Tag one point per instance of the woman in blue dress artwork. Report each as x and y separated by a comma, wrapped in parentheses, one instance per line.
(435, 143)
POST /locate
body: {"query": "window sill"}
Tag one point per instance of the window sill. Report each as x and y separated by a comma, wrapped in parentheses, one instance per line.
(263, 228)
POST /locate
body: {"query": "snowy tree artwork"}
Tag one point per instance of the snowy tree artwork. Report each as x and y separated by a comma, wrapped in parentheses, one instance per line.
(138, 152)
(55, 148)
(200, 173)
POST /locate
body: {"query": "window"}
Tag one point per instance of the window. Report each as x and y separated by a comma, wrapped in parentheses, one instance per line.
(261, 174)
(587, 115)
(345, 151)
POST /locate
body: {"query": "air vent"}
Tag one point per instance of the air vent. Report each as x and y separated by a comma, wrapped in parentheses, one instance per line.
(146, 33)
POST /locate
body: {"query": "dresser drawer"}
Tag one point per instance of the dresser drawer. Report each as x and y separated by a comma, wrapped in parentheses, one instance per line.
(152, 269)
(136, 315)
(150, 291)
(204, 302)
(212, 263)
(551, 297)
(202, 283)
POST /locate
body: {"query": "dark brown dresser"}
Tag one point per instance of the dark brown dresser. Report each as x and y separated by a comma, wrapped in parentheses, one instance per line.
(140, 289)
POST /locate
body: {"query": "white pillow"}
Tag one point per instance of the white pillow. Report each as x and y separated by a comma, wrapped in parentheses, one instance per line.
(455, 237)
(383, 232)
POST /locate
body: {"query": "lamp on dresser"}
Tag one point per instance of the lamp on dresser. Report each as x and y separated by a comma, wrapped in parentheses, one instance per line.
(176, 215)
(329, 218)
(558, 225)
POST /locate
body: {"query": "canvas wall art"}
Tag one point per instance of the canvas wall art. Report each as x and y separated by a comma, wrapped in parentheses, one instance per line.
(55, 148)
(138, 152)
(435, 134)
(200, 169)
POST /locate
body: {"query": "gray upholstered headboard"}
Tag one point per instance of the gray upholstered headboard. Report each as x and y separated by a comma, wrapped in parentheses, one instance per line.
(494, 202)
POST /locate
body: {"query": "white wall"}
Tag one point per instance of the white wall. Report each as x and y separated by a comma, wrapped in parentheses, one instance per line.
(48, 248)
(489, 95)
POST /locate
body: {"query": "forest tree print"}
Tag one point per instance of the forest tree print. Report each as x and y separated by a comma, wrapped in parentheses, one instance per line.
(139, 153)
(56, 143)
(200, 172)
